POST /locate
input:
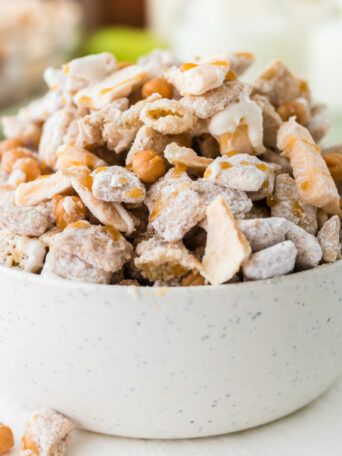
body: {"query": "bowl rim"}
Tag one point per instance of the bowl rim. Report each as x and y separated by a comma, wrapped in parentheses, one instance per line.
(70, 284)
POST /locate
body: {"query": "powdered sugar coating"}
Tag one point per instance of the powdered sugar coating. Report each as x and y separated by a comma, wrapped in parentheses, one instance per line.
(119, 185)
(27, 221)
(95, 245)
(329, 239)
(49, 432)
(309, 250)
(274, 261)
(264, 232)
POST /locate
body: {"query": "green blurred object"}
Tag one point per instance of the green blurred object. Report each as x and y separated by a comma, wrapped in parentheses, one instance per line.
(126, 43)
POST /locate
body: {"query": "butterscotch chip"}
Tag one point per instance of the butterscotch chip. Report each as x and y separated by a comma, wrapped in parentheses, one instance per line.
(157, 85)
(148, 165)
(227, 248)
(6, 439)
(329, 239)
(274, 261)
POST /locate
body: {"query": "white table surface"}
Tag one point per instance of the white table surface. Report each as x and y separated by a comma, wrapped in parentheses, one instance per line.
(313, 431)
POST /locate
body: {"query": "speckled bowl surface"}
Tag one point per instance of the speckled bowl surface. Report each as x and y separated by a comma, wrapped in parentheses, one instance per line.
(170, 363)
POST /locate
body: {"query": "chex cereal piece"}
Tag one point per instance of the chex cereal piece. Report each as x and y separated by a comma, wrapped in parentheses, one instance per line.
(101, 247)
(176, 209)
(238, 202)
(271, 120)
(241, 172)
(66, 266)
(309, 250)
(263, 232)
(42, 189)
(119, 84)
(314, 182)
(196, 79)
(47, 433)
(111, 214)
(90, 126)
(21, 252)
(157, 61)
(117, 184)
(238, 141)
(120, 127)
(185, 156)
(271, 262)
(47, 238)
(329, 239)
(6, 438)
(56, 132)
(320, 121)
(244, 112)
(285, 202)
(28, 131)
(227, 248)
(206, 105)
(27, 221)
(68, 156)
(167, 116)
(279, 85)
(158, 260)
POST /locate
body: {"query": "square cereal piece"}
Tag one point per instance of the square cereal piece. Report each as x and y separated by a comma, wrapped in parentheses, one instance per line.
(71, 267)
(241, 171)
(101, 247)
(309, 250)
(160, 260)
(279, 85)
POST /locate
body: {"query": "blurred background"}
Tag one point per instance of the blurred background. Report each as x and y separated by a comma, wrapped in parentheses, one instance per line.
(305, 34)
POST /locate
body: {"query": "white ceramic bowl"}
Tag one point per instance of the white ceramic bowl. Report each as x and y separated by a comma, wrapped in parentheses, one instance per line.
(170, 363)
